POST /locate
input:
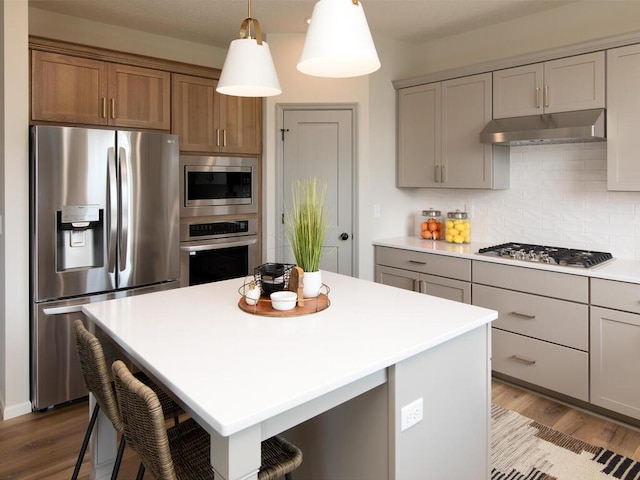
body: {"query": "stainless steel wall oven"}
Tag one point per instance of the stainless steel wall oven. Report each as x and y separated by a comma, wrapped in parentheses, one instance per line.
(219, 250)
(218, 186)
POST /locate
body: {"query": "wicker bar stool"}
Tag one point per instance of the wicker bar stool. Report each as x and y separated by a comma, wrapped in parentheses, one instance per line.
(182, 452)
(98, 380)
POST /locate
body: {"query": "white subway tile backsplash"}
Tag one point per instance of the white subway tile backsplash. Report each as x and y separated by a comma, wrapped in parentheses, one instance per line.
(558, 196)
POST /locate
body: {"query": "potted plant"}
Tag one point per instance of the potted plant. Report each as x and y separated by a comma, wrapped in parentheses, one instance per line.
(307, 224)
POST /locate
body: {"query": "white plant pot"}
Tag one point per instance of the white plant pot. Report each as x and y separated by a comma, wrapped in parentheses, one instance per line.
(312, 282)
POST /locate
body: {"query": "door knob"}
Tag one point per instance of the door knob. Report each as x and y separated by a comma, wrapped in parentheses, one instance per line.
(344, 236)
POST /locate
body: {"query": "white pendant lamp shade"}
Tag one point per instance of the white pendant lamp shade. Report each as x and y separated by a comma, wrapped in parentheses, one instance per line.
(338, 42)
(248, 70)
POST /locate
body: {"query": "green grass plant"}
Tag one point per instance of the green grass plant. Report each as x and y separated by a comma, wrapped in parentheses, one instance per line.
(307, 222)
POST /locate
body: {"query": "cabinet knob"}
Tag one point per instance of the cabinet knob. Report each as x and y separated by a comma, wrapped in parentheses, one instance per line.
(344, 236)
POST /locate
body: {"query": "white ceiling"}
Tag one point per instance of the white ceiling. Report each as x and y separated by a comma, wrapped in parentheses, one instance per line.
(217, 22)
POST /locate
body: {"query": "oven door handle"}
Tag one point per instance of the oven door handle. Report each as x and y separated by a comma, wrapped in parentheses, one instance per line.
(217, 246)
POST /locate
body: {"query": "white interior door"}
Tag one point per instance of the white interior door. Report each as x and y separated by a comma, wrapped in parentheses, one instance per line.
(320, 143)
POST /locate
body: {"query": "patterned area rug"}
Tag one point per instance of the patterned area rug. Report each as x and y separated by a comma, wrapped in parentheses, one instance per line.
(523, 449)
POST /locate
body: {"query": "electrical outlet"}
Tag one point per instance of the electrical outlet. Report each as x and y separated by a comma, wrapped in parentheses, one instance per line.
(411, 414)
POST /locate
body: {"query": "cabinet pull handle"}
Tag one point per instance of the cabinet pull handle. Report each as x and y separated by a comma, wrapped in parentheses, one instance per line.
(546, 95)
(523, 315)
(537, 97)
(113, 108)
(224, 138)
(436, 173)
(217, 137)
(526, 361)
(417, 262)
(104, 107)
(443, 174)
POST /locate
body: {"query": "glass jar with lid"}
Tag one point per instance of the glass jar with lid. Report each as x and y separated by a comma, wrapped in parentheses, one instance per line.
(430, 226)
(457, 227)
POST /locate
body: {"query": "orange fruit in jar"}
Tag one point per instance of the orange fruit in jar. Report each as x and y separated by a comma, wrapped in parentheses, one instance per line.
(436, 235)
(424, 226)
(433, 226)
(426, 234)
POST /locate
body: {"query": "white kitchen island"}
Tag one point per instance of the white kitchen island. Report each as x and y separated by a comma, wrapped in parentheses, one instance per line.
(334, 382)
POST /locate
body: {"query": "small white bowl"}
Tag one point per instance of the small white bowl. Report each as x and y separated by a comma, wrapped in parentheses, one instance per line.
(283, 300)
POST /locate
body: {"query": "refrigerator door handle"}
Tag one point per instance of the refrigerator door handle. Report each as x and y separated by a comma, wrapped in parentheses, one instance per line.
(124, 207)
(113, 210)
(62, 310)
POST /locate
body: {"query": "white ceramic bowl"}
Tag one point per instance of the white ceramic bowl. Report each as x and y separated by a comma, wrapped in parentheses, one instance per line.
(283, 300)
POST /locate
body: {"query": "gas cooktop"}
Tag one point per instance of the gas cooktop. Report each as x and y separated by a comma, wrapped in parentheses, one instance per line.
(550, 255)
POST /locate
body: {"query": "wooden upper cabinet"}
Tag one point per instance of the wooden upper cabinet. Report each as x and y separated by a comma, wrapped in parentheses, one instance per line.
(139, 97)
(77, 90)
(193, 113)
(68, 89)
(240, 121)
(208, 122)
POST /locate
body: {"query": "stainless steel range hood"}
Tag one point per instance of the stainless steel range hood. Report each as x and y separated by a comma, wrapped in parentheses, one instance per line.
(565, 127)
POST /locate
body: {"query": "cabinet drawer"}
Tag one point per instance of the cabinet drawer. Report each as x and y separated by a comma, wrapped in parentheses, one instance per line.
(530, 280)
(561, 369)
(442, 265)
(557, 321)
(616, 295)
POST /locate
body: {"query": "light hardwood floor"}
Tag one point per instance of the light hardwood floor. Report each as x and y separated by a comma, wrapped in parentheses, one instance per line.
(582, 425)
(44, 446)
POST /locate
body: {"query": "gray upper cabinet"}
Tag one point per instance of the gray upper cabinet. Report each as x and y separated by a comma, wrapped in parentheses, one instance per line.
(419, 137)
(623, 122)
(563, 85)
(438, 143)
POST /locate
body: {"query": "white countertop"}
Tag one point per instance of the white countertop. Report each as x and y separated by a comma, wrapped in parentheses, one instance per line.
(233, 369)
(618, 269)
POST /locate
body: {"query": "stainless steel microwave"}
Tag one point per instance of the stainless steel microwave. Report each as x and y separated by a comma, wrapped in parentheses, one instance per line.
(218, 186)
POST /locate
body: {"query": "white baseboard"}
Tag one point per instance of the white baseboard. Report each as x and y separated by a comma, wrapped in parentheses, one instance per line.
(13, 411)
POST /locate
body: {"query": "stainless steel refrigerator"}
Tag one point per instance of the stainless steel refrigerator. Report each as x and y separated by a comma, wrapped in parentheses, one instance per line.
(104, 224)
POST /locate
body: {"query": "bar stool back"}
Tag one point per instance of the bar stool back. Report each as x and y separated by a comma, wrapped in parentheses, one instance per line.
(98, 380)
(182, 452)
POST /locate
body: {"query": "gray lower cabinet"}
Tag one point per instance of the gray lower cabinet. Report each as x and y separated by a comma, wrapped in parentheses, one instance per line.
(570, 334)
(542, 333)
(615, 346)
(438, 275)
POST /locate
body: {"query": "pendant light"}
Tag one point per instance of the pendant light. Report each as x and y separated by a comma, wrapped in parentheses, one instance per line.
(338, 42)
(248, 69)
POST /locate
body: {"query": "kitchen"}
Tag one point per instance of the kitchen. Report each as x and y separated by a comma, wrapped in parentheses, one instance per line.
(582, 167)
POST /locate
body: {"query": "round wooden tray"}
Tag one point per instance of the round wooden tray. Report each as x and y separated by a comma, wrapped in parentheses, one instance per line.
(264, 308)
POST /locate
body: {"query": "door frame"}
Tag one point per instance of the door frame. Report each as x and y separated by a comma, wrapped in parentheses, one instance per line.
(279, 172)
